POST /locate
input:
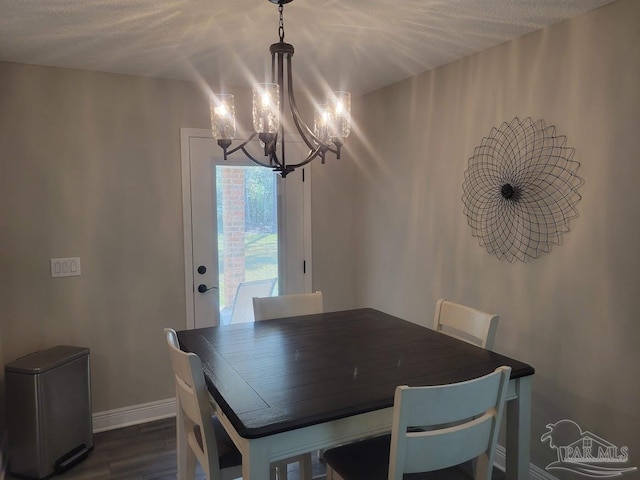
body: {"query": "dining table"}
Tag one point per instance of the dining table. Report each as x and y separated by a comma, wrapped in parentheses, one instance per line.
(289, 386)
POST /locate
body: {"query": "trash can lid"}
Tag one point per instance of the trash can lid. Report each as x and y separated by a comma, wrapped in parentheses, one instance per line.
(44, 360)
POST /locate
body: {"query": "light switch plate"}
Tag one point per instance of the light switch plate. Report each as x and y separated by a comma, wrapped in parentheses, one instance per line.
(65, 267)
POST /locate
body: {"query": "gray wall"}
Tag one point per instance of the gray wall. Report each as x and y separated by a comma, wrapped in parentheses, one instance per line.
(91, 168)
(333, 216)
(573, 314)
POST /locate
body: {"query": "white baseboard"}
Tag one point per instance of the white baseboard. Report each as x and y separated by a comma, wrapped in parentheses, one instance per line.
(535, 473)
(133, 415)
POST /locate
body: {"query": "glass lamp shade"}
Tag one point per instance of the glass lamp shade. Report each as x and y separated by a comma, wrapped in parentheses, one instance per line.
(223, 117)
(340, 108)
(266, 108)
(322, 123)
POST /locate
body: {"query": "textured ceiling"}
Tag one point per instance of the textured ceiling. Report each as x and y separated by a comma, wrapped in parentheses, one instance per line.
(356, 45)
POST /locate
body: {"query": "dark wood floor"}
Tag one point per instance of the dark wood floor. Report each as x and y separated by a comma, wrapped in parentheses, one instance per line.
(142, 452)
(148, 452)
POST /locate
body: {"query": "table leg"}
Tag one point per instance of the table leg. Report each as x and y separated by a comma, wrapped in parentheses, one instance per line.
(305, 467)
(255, 464)
(519, 431)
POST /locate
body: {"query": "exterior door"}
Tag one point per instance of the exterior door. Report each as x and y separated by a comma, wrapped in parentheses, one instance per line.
(243, 223)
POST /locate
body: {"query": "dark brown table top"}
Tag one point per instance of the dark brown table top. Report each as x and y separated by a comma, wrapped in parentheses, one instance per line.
(278, 375)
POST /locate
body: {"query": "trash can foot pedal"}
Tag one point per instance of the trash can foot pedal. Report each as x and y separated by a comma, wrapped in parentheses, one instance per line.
(70, 459)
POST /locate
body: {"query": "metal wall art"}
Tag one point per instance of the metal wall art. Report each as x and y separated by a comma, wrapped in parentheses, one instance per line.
(520, 189)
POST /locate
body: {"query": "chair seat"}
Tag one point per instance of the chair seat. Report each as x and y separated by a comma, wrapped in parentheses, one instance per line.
(364, 460)
(229, 455)
(369, 460)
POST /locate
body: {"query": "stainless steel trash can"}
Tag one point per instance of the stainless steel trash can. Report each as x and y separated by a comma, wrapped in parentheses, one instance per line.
(48, 406)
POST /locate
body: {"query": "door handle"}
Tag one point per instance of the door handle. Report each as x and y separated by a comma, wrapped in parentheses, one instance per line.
(202, 288)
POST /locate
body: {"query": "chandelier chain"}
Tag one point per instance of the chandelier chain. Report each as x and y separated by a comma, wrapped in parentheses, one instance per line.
(281, 25)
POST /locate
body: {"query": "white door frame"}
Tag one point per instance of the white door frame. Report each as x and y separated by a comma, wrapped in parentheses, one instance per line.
(185, 135)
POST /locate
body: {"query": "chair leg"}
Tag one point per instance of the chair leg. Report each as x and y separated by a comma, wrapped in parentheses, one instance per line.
(189, 465)
(279, 471)
(305, 467)
(186, 459)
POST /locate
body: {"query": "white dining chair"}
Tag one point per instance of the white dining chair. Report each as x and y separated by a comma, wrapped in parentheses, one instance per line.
(267, 308)
(207, 440)
(464, 420)
(242, 309)
(466, 323)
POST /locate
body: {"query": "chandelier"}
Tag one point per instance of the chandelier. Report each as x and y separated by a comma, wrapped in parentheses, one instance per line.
(332, 122)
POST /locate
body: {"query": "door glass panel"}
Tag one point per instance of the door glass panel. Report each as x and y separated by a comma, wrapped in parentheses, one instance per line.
(247, 239)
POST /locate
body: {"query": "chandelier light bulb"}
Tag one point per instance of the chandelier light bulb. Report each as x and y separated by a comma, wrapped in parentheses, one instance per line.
(266, 108)
(322, 123)
(223, 118)
(341, 109)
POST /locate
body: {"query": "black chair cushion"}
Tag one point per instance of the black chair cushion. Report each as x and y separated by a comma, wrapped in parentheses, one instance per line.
(364, 460)
(228, 454)
(369, 460)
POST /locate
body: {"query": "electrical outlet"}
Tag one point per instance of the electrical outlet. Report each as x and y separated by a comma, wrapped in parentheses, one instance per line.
(65, 267)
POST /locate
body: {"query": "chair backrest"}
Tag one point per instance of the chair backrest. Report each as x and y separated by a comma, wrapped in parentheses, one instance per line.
(193, 399)
(243, 304)
(287, 305)
(463, 421)
(466, 323)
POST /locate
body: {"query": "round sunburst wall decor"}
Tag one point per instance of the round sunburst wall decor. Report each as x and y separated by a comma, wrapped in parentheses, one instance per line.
(520, 189)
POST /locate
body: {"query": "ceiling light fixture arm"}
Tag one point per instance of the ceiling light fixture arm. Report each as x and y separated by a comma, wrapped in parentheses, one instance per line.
(254, 160)
(226, 143)
(301, 126)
